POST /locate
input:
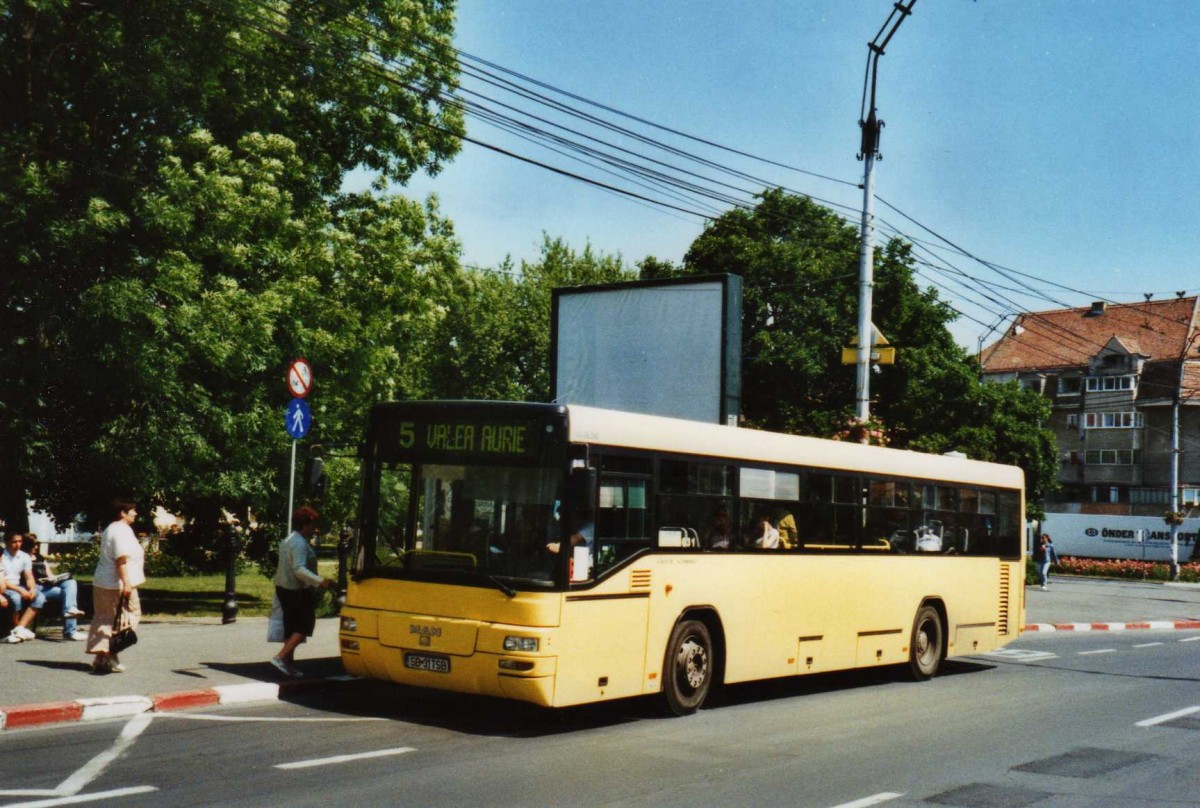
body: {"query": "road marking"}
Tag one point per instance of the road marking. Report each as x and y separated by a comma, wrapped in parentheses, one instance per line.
(251, 718)
(1162, 719)
(1099, 651)
(1147, 645)
(68, 790)
(1190, 639)
(79, 798)
(874, 799)
(83, 797)
(96, 766)
(1018, 655)
(306, 764)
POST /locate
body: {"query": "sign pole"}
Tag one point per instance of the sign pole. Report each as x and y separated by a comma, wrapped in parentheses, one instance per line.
(297, 419)
(291, 489)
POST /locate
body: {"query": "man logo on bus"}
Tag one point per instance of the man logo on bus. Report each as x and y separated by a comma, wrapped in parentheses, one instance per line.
(1091, 531)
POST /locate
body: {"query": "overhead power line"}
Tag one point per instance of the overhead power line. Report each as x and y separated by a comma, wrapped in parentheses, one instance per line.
(664, 184)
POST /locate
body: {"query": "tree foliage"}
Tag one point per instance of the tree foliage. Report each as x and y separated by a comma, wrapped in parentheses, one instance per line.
(494, 340)
(799, 265)
(171, 235)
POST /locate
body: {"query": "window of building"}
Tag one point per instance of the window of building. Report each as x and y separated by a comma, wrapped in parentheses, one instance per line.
(1069, 385)
(1113, 420)
(1098, 384)
(1150, 496)
(1073, 419)
(1112, 457)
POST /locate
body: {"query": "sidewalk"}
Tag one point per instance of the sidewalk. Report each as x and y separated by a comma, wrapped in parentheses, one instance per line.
(177, 663)
(182, 663)
(1090, 604)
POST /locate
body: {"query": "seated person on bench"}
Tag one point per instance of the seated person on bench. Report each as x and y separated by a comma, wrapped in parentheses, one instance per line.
(20, 590)
(60, 589)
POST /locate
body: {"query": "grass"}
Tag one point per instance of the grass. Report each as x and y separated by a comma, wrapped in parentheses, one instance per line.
(204, 595)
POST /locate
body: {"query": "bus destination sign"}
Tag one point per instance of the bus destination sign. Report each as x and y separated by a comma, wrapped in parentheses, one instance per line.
(482, 438)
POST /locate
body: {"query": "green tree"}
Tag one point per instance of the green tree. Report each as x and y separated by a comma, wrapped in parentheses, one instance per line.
(171, 233)
(799, 265)
(192, 347)
(494, 340)
(1005, 424)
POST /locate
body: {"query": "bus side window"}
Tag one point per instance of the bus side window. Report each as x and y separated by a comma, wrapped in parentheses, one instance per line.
(694, 503)
(986, 540)
(889, 517)
(622, 522)
(1009, 524)
(832, 510)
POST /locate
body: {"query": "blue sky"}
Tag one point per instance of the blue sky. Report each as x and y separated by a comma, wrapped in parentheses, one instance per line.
(1057, 139)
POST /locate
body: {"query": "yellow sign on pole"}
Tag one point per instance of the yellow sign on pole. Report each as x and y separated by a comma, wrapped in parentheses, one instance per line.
(881, 352)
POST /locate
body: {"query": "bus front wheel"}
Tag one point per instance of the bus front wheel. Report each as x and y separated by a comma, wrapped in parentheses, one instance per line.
(688, 668)
(928, 644)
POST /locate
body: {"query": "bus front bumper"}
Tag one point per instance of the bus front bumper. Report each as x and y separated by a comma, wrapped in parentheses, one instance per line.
(520, 678)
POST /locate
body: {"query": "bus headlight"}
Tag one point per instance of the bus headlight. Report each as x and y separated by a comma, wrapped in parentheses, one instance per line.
(349, 624)
(350, 645)
(520, 643)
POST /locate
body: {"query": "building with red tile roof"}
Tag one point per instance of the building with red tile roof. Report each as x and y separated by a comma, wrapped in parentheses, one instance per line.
(1113, 373)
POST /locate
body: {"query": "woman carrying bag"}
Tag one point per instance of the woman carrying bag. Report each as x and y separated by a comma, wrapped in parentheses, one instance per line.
(119, 572)
(296, 585)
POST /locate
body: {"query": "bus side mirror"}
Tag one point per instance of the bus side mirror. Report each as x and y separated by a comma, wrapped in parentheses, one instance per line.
(581, 487)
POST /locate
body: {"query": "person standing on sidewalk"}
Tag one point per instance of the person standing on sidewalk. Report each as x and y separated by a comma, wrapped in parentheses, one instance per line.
(1044, 555)
(20, 590)
(119, 572)
(296, 585)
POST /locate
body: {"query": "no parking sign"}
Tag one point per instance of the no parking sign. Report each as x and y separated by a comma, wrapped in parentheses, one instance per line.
(299, 378)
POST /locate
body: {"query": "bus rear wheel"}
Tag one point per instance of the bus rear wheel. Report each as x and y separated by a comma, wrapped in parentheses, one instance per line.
(928, 644)
(688, 668)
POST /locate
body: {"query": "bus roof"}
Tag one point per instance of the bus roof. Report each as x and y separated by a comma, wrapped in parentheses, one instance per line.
(638, 431)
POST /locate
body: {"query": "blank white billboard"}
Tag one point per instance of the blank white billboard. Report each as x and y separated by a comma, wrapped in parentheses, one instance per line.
(666, 348)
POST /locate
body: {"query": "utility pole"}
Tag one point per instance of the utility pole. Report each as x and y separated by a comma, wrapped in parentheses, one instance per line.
(1175, 520)
(871, 125)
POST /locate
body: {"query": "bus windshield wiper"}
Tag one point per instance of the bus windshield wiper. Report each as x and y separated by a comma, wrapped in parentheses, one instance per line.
(501, 585)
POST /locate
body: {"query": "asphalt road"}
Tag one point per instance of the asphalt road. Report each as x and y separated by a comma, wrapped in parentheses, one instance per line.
(1053, 720)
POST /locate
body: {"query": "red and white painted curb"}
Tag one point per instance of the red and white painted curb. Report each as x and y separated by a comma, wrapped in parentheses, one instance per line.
(94, 709)
(1176, 625)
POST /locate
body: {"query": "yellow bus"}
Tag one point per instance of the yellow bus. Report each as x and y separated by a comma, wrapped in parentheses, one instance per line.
(561, 555)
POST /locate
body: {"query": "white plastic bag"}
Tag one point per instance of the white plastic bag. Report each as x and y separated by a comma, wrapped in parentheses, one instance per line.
(275, 623)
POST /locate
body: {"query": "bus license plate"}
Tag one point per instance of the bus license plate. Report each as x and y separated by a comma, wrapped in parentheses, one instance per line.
(427, 662)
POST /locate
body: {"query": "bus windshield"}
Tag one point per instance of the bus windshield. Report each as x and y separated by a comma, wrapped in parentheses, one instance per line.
(499, 522)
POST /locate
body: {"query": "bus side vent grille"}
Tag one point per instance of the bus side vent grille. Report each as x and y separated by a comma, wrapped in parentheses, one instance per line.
(1005, 593)
(639, 579)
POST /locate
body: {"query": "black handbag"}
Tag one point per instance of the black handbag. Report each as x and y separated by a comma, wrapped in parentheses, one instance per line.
(123, 634)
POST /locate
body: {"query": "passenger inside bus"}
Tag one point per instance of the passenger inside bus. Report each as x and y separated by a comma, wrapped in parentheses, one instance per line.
(789, 536)
(717, 537)
(582, 543)
(768, 535)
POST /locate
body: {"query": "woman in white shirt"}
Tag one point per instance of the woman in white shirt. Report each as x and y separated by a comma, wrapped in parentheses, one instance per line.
(296, 585)
(119, 572)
